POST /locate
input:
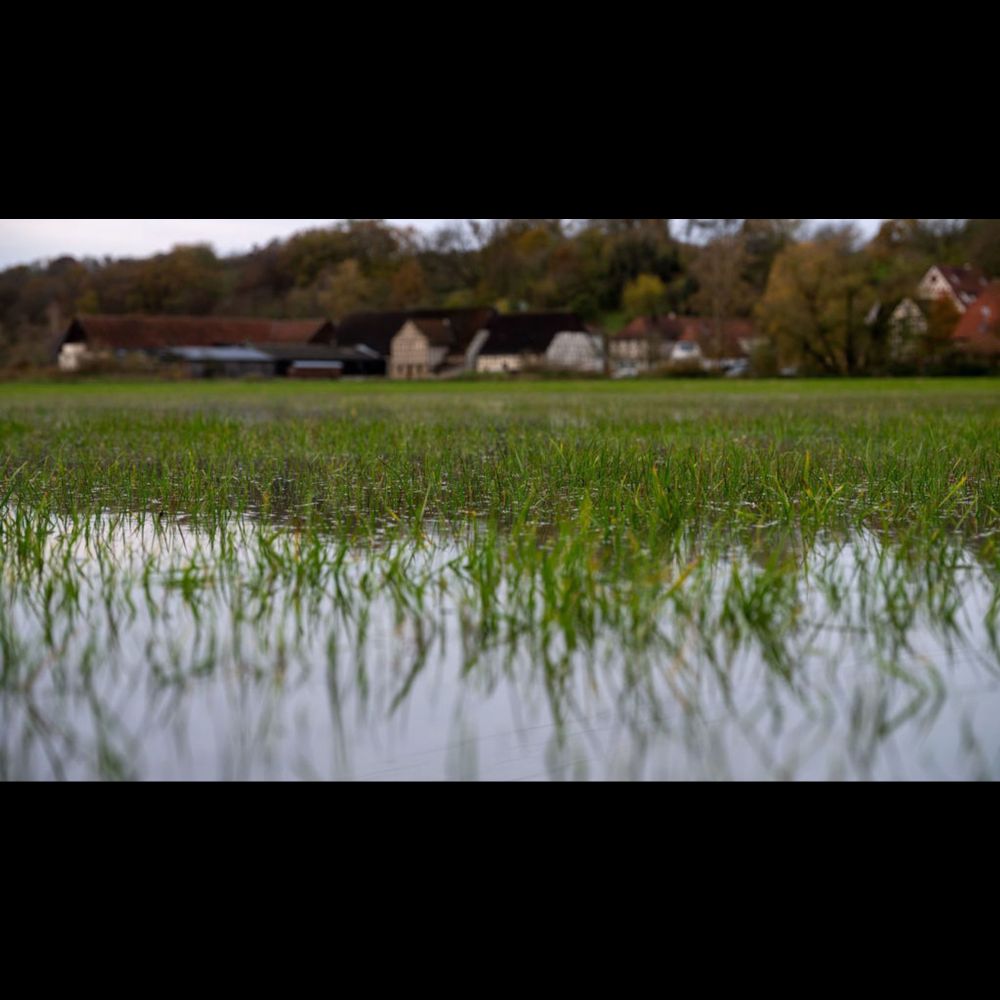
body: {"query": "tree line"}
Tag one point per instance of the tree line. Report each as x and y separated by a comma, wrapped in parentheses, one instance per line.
(809, 290)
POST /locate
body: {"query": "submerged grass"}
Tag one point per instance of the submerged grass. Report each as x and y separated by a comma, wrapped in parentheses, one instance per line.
(646, 463)
(715, 561)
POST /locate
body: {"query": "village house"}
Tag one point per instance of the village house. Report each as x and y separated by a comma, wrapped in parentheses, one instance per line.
(425, 347)
(723, 346)
(962, 285)
(432, 343)
(116, 338)
(649, 342)
(978, 332)
(904, 321)
(646, 342)
(375, 331)
(519, 341)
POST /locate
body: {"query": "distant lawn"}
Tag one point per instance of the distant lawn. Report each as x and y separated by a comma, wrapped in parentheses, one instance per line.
(138, 391)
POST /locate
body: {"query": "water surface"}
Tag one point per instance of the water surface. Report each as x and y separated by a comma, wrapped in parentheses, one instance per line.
(148, 648)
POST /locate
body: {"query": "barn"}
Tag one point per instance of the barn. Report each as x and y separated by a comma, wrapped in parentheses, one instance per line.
(109, 338)
(526, 340)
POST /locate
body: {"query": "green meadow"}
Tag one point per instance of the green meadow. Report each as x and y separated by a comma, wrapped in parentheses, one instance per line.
(534, 580)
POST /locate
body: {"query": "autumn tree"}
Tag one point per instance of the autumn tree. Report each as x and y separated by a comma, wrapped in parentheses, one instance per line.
(645, 296)
(981, 245)
(308, 255)
(409, 286)
(186, 281)
(812, 306)
(937, 343)
(513, 254)
(638, 246)
(450, 261)
(718, 269)
(344, 290)
(763, 240)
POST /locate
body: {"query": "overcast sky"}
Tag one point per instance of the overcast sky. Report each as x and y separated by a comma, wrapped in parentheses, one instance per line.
(24, 241)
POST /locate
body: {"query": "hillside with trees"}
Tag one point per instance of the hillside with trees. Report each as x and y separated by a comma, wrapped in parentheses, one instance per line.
(808, 290)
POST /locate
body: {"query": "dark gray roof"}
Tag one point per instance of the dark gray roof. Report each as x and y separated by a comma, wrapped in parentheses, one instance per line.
(375, 330)
(300, 352)
(528, 333)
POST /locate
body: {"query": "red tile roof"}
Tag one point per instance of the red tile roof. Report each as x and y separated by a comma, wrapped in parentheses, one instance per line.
(147, 333)
(735, 333)
(979, 329)
(967, 282)
(731, 341)
(668, 327)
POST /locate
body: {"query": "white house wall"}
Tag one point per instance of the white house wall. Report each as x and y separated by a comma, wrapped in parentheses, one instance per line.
(499, 364)
(410, 355)
(72, 357)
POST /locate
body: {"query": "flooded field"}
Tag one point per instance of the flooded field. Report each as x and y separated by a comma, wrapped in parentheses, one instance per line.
(543, 583)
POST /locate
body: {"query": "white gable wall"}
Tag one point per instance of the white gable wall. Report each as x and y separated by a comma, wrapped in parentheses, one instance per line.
(936, 286)
(410, 355)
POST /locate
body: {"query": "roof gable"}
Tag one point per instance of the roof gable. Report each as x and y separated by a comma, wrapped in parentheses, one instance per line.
(964, 284)
(968, 279)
